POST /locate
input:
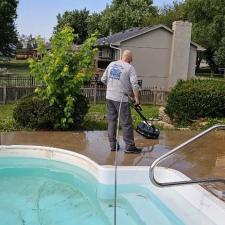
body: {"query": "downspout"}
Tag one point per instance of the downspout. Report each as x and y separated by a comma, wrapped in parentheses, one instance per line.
(113, 47)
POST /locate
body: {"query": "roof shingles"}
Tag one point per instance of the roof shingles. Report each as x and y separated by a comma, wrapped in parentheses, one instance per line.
(118, 37)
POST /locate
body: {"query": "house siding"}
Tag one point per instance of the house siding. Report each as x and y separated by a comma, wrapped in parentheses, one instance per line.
(151, 56)
(192, 62)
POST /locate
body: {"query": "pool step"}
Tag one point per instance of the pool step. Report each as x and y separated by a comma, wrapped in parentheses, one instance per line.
(125, 213)
(136, 208)
(148, 211)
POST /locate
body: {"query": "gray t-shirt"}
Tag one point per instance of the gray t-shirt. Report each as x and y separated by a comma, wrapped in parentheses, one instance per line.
(120, 78)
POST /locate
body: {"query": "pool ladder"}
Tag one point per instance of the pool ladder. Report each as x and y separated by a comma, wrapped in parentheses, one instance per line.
(177, 149)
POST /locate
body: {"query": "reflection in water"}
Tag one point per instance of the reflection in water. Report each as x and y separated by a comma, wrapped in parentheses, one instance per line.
(204, 158)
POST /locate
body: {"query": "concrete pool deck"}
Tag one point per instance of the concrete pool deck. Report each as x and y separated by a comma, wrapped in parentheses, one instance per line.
(202, 159)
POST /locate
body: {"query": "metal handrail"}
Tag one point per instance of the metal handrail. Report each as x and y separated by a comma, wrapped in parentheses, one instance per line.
(163, 157)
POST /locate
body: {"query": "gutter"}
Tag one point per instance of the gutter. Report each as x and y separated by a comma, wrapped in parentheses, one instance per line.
(113, 47)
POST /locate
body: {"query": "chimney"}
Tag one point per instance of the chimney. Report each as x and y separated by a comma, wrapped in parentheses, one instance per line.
(180, 51)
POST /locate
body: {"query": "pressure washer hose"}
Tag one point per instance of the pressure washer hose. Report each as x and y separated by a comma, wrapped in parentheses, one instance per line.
(115, 163)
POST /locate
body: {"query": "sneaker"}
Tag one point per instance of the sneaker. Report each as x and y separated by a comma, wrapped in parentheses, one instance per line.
(114, 149)
(134, 150)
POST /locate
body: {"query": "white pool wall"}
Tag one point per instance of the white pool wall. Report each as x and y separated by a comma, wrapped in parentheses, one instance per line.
(194, 195)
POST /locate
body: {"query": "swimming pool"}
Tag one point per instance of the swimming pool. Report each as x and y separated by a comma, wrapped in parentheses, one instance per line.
(46, 186)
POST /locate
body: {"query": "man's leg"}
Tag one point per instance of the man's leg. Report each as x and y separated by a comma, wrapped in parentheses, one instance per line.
(112, 122)
(126, 123)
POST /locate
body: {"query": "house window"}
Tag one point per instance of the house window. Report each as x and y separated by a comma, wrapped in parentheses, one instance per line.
(140, 83)
(100, 53)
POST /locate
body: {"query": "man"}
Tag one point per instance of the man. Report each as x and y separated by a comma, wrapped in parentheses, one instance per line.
(121, 80)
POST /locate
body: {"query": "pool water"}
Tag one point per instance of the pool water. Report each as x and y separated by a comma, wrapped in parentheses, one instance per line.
(45, 192)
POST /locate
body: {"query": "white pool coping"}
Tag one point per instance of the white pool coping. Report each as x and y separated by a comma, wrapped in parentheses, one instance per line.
(194, 195)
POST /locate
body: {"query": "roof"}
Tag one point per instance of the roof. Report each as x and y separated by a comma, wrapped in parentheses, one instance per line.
(199, 47)
(117, 38)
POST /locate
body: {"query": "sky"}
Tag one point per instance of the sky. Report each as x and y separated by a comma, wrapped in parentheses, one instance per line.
(38, 17)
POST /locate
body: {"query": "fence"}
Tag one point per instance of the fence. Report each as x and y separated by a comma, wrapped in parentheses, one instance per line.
(12, 88)
(153, 96)
(10, 94)
(17, 81)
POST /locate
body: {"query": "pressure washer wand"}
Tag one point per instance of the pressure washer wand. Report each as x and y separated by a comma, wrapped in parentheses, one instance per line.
(138, 109)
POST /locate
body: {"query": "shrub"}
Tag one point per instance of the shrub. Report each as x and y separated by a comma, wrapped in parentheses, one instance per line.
(194, 99)
(62, 71)
(33, 112)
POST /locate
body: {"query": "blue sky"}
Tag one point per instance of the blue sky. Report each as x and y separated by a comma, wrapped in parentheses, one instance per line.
(38, 17)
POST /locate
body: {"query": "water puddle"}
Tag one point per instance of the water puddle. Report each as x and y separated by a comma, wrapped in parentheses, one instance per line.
(203, 159)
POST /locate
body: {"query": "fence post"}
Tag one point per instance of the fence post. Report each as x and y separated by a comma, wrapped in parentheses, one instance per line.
(155, 96)
(4, 94)
(95, 93)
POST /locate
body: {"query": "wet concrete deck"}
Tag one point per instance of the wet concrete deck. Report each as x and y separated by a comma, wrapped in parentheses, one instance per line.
(203, 159)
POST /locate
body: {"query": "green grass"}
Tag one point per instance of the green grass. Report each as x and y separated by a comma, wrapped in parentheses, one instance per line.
(213, 77)
(6, 111)
(96, 117)
(94, 120)
(7, 122)
(17, 67)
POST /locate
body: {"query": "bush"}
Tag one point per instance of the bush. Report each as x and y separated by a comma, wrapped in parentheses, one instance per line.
(32, 112)
(62, 72)
(194, 99)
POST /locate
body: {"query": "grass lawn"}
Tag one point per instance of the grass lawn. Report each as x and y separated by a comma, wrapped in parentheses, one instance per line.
(214, 77)
(6, 111)
(17, 67)
(7, 122)
(96, 117)
(94, 120)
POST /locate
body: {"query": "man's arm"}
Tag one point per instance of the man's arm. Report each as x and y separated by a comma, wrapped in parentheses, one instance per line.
(137, 97)
(134, 84)
(105, 76)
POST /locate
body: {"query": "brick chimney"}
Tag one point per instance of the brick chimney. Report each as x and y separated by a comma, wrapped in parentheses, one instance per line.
(180, 51)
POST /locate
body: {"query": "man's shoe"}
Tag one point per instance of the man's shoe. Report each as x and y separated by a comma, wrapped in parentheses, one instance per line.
(114, 149)
(134, 150)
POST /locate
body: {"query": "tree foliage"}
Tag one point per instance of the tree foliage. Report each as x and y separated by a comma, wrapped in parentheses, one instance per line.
(8, 33)
(167, 14)
(208, 19)
(122, 15)
(26, 42)
(62, 71)
(77, 19)
(220, 54)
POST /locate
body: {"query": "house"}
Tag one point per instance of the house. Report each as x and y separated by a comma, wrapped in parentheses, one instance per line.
(161, 55)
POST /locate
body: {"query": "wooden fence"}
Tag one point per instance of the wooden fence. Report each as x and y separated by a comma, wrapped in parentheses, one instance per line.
(17, 81)
(9, 94)
(12, 88)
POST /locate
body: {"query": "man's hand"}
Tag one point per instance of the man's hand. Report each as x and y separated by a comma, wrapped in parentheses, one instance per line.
(137, 101)
(137, 98)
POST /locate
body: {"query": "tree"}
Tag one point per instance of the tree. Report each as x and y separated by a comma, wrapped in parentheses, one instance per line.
(167, 14)
(95, 24)
(220, 54)
(77, 19)
(62, 72)
(8, 33)
(27, 42)
(122, 15)
(208, 18)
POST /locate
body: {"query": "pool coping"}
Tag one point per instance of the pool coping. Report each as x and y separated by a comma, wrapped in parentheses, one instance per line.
(197, 196)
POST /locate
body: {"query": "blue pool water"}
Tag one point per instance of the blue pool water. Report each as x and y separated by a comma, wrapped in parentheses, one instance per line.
(44, 192)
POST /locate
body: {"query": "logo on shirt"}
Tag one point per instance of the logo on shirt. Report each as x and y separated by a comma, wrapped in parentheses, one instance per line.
(115, 72)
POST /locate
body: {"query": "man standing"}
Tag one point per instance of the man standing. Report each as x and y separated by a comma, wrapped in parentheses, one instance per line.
(121, 80)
